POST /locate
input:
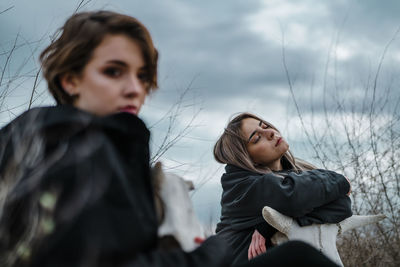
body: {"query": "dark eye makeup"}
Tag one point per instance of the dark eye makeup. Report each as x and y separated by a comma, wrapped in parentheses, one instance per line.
(265, 126)
(256, 136)
(112, 71)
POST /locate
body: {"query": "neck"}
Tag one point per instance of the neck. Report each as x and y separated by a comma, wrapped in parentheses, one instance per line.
(276, 165)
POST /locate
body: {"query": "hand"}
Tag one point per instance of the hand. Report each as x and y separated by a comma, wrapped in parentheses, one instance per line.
(348, 194)
(198, 240)
(257, 245)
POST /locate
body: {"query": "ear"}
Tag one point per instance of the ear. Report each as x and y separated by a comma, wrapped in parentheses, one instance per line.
(70, 83)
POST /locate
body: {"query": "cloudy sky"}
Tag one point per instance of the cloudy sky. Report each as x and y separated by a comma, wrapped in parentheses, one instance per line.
(218, 58)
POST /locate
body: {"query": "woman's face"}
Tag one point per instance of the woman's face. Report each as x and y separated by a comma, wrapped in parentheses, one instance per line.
(265, 145)
(114, 80)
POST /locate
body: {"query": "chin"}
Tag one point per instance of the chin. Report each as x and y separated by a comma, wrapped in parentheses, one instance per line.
(287, 147)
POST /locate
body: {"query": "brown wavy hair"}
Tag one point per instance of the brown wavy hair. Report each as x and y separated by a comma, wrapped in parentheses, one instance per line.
(231, 149)
(80, 36)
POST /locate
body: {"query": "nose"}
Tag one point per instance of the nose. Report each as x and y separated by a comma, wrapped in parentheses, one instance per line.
(269, 133)
(134, 87)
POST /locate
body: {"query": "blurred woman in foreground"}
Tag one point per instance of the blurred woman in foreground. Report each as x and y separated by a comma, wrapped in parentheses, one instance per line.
(75, 178)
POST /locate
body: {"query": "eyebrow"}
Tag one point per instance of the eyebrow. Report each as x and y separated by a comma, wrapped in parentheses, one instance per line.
(117, 62)
(253, 133)
(122, 63)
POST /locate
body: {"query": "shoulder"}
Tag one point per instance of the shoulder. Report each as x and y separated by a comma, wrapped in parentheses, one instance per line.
(236, 177)
(66, 131)
(232, 172)
(64, 121)
(42, 118)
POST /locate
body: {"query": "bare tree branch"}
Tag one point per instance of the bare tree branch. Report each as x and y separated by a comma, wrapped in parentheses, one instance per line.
(7, 9)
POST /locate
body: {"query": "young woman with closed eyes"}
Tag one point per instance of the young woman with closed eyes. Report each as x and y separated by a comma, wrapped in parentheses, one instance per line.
(261, 171)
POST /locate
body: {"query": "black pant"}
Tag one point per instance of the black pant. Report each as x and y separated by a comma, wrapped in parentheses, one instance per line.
(293, 253)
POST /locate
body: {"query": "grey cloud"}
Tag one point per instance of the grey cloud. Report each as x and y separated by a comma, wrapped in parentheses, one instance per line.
(233, 68)
(367, 19)
(210, 42)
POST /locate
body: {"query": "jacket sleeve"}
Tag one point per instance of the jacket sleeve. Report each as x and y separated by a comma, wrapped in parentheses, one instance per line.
(333, 212)
(293, 194)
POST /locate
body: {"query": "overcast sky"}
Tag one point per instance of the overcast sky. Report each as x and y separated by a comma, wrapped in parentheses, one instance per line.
(229, 56)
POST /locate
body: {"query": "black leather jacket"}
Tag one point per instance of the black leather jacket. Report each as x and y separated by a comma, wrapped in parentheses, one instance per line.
(81, 194)
(315, 196)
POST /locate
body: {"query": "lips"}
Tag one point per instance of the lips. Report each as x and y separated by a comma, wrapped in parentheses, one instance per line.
(278, 141)
(129, 109)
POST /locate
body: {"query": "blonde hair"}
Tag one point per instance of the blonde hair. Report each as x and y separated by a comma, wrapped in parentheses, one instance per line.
(231, 149)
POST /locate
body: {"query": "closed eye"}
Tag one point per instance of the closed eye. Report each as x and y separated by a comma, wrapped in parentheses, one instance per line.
(265, 126)
(256, 138)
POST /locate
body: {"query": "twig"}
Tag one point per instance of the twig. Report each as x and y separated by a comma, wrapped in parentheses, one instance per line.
(5, 10)
(294, 98)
